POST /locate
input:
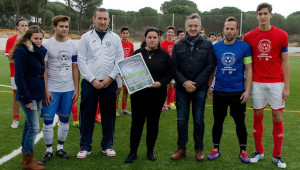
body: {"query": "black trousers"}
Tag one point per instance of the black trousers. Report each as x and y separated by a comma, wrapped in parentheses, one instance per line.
(221, 101)
(88, 106)
(146, 105)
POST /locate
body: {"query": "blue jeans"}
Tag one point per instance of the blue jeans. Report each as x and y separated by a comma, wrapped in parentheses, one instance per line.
(183, 100)
(31, 126)
(88, 106)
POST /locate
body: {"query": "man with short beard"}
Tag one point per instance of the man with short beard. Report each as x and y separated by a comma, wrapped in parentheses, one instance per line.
(233, 58)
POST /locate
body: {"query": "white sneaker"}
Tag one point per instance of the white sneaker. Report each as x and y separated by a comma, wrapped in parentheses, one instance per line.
(126, 112)
(255, 157)
(279, 162)
(109, 152)
(15, 124)
(82, 154)
(117, 114)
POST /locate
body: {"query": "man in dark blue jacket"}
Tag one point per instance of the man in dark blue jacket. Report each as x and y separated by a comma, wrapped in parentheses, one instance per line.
(194, 61)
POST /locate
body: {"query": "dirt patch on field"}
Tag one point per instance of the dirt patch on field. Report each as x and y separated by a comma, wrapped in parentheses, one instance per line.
(294, 54)
(294, 44)
(6, 33)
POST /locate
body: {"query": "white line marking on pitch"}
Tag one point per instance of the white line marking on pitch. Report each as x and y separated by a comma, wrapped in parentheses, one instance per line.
(18, 151)
(5, 85)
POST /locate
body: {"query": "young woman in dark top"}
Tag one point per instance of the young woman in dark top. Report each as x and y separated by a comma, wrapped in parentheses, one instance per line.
(160, 67)
(29, 54)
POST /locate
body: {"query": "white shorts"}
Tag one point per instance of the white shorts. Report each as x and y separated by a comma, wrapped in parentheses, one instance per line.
(263, 93)
(119, 82)
(13, 84)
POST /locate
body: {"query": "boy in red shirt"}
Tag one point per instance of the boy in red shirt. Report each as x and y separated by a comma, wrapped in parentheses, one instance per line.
(168, 46)
(271, 75)
(21, 27)
(128, 50)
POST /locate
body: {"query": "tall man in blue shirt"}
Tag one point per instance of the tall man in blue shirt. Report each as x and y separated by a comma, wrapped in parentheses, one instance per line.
(233, 58)
(194, 62)
(98, 52)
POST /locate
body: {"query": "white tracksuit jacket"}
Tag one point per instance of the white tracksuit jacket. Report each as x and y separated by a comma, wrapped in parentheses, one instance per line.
(98, 59)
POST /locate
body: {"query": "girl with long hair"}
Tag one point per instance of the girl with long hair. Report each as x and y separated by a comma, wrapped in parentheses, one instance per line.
(28, 54)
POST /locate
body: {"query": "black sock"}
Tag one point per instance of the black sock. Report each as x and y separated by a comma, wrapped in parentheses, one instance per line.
(216, 146)
(243, 147)
(61, 142)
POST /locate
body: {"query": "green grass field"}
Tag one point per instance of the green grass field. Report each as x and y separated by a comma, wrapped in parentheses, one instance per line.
(166, 143)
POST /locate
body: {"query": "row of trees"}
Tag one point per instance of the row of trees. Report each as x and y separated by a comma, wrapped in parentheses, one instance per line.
(41, 12)
(80, 11)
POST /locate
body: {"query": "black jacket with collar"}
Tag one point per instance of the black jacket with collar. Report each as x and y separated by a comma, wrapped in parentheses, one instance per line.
(193, 63)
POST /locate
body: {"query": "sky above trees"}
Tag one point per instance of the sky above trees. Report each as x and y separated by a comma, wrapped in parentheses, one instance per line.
(284, 8)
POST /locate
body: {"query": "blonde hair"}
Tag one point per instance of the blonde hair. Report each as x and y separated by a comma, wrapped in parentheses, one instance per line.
(28, 34)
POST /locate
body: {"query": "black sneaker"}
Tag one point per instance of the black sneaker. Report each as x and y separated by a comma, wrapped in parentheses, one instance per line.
(62, 153)
(131, 157)
(47, 157)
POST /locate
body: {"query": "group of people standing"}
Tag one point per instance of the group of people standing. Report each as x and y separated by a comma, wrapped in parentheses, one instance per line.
(49, 72)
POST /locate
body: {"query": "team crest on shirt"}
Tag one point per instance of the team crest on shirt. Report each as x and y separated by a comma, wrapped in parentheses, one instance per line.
(170, 48)
(264, 46)
(127, 52)
(108, 43)
(64, 56)
(228, 59)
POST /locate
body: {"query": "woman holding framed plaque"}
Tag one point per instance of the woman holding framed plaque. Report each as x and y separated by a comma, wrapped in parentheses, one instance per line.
(160, 66)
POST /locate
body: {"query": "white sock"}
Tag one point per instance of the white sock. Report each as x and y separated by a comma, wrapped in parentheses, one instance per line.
(59, 147)
(62, 133)
(48, 136)
(49, 149)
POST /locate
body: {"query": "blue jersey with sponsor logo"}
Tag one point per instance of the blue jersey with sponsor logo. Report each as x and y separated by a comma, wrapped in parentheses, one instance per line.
(230, 65)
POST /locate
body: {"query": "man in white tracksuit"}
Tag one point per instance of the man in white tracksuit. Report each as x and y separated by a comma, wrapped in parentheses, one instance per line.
(98, 52)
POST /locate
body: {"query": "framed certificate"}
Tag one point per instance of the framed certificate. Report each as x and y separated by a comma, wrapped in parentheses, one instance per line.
(135, 73)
